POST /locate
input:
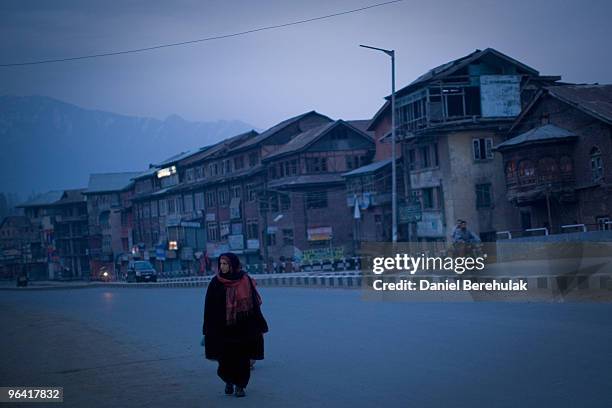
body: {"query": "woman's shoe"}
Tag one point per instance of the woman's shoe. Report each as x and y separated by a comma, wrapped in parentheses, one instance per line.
(240, 392)
(229, 388)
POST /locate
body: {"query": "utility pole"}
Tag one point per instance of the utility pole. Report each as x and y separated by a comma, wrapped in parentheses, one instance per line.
(391, 53)
(548, 208)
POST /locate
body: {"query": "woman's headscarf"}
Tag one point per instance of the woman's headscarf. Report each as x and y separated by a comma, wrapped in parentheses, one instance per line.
(238, 294)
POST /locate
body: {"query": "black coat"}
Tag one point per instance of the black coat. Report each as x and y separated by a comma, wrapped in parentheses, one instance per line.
(219, 337)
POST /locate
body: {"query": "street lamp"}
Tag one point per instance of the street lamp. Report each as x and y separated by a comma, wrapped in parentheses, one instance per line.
(391, 53)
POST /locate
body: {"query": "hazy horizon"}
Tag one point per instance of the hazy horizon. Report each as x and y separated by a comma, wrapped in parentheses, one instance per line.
(265, 77)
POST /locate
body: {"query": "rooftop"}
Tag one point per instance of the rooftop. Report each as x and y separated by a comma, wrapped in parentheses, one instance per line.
(540, 134)
(108, 182)
(369, 168)
(276, 128)
(595, 100)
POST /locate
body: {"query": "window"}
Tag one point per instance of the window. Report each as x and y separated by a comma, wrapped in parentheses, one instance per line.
(603, 223)
(483, 195)
(189, 175)
(411, 159)
(547, 165)
(171, 206)
(238, 162)
(212, 231)
(565, 164)
(526, 170)
(106, 243)
(272, 172)
(251, 192)
(227, 167)
(188, 199)
(211, 199)
(454, 101)
(317, 199)
(427, 196)
(293, 167)
(154, 211)
(285, 202)
(274, 202)
(253, 159)
(264, 201)
(352, 162)
(199, 201)
(223, 198)
(424, 156)
(271, 239)
(225, 228)
(483, 148)
(316, 164)
(510, 169)
(368, 183)
(163, 210)
(436, 157)
(236, 192)
(547, 168)
(252, 229)
(596, 165)
(288, 237)
(198, 172)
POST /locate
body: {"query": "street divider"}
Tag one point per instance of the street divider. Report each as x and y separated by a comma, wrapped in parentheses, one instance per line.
(349, 280)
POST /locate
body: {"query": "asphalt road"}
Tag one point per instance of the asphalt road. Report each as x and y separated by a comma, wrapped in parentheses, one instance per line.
(326, 347)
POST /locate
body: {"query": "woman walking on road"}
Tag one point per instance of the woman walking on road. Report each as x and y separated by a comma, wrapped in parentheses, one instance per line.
(233, 324)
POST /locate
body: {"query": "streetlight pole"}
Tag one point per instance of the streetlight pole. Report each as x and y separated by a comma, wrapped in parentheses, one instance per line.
(391, 53)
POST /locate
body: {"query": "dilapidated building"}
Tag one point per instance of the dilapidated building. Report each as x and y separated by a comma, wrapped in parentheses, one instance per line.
(61, 218)
(448, 121)
(304, 212)
(110, 218)
(558, 160)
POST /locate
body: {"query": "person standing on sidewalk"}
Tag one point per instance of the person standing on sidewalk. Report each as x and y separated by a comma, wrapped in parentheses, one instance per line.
(233, 325)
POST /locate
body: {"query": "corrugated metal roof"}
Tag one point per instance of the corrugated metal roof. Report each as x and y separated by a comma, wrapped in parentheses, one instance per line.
(219, 147)
(147, 173)
(361, 124)
(540, 134)
(306, 179)
(369, 168)
(302, 140)
(595, 100)
(177, 157)
(310, 136)
(448, 68)
(47, 198)
(106, 182)
(72, 196)
(274, 129)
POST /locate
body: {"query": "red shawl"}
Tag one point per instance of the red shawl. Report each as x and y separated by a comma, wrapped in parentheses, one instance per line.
(238, 297)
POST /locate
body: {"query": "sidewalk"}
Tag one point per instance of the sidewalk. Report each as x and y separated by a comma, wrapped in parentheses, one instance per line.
(95, 369)
(12, 284)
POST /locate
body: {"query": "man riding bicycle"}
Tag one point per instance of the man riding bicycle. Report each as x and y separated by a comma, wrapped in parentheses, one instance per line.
(464, 240)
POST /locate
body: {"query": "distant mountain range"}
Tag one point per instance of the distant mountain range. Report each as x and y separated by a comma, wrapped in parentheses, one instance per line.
(48, 144)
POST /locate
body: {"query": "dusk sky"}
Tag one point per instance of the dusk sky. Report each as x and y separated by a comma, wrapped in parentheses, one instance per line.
(265, 77)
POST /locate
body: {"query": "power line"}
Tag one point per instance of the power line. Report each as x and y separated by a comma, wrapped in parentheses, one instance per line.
(217, 37)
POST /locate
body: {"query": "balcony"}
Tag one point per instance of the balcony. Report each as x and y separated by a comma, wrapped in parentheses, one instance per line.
(531, 187)
(368, 199)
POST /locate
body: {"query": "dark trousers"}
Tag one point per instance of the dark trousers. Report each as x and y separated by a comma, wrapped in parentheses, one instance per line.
(235, 366)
